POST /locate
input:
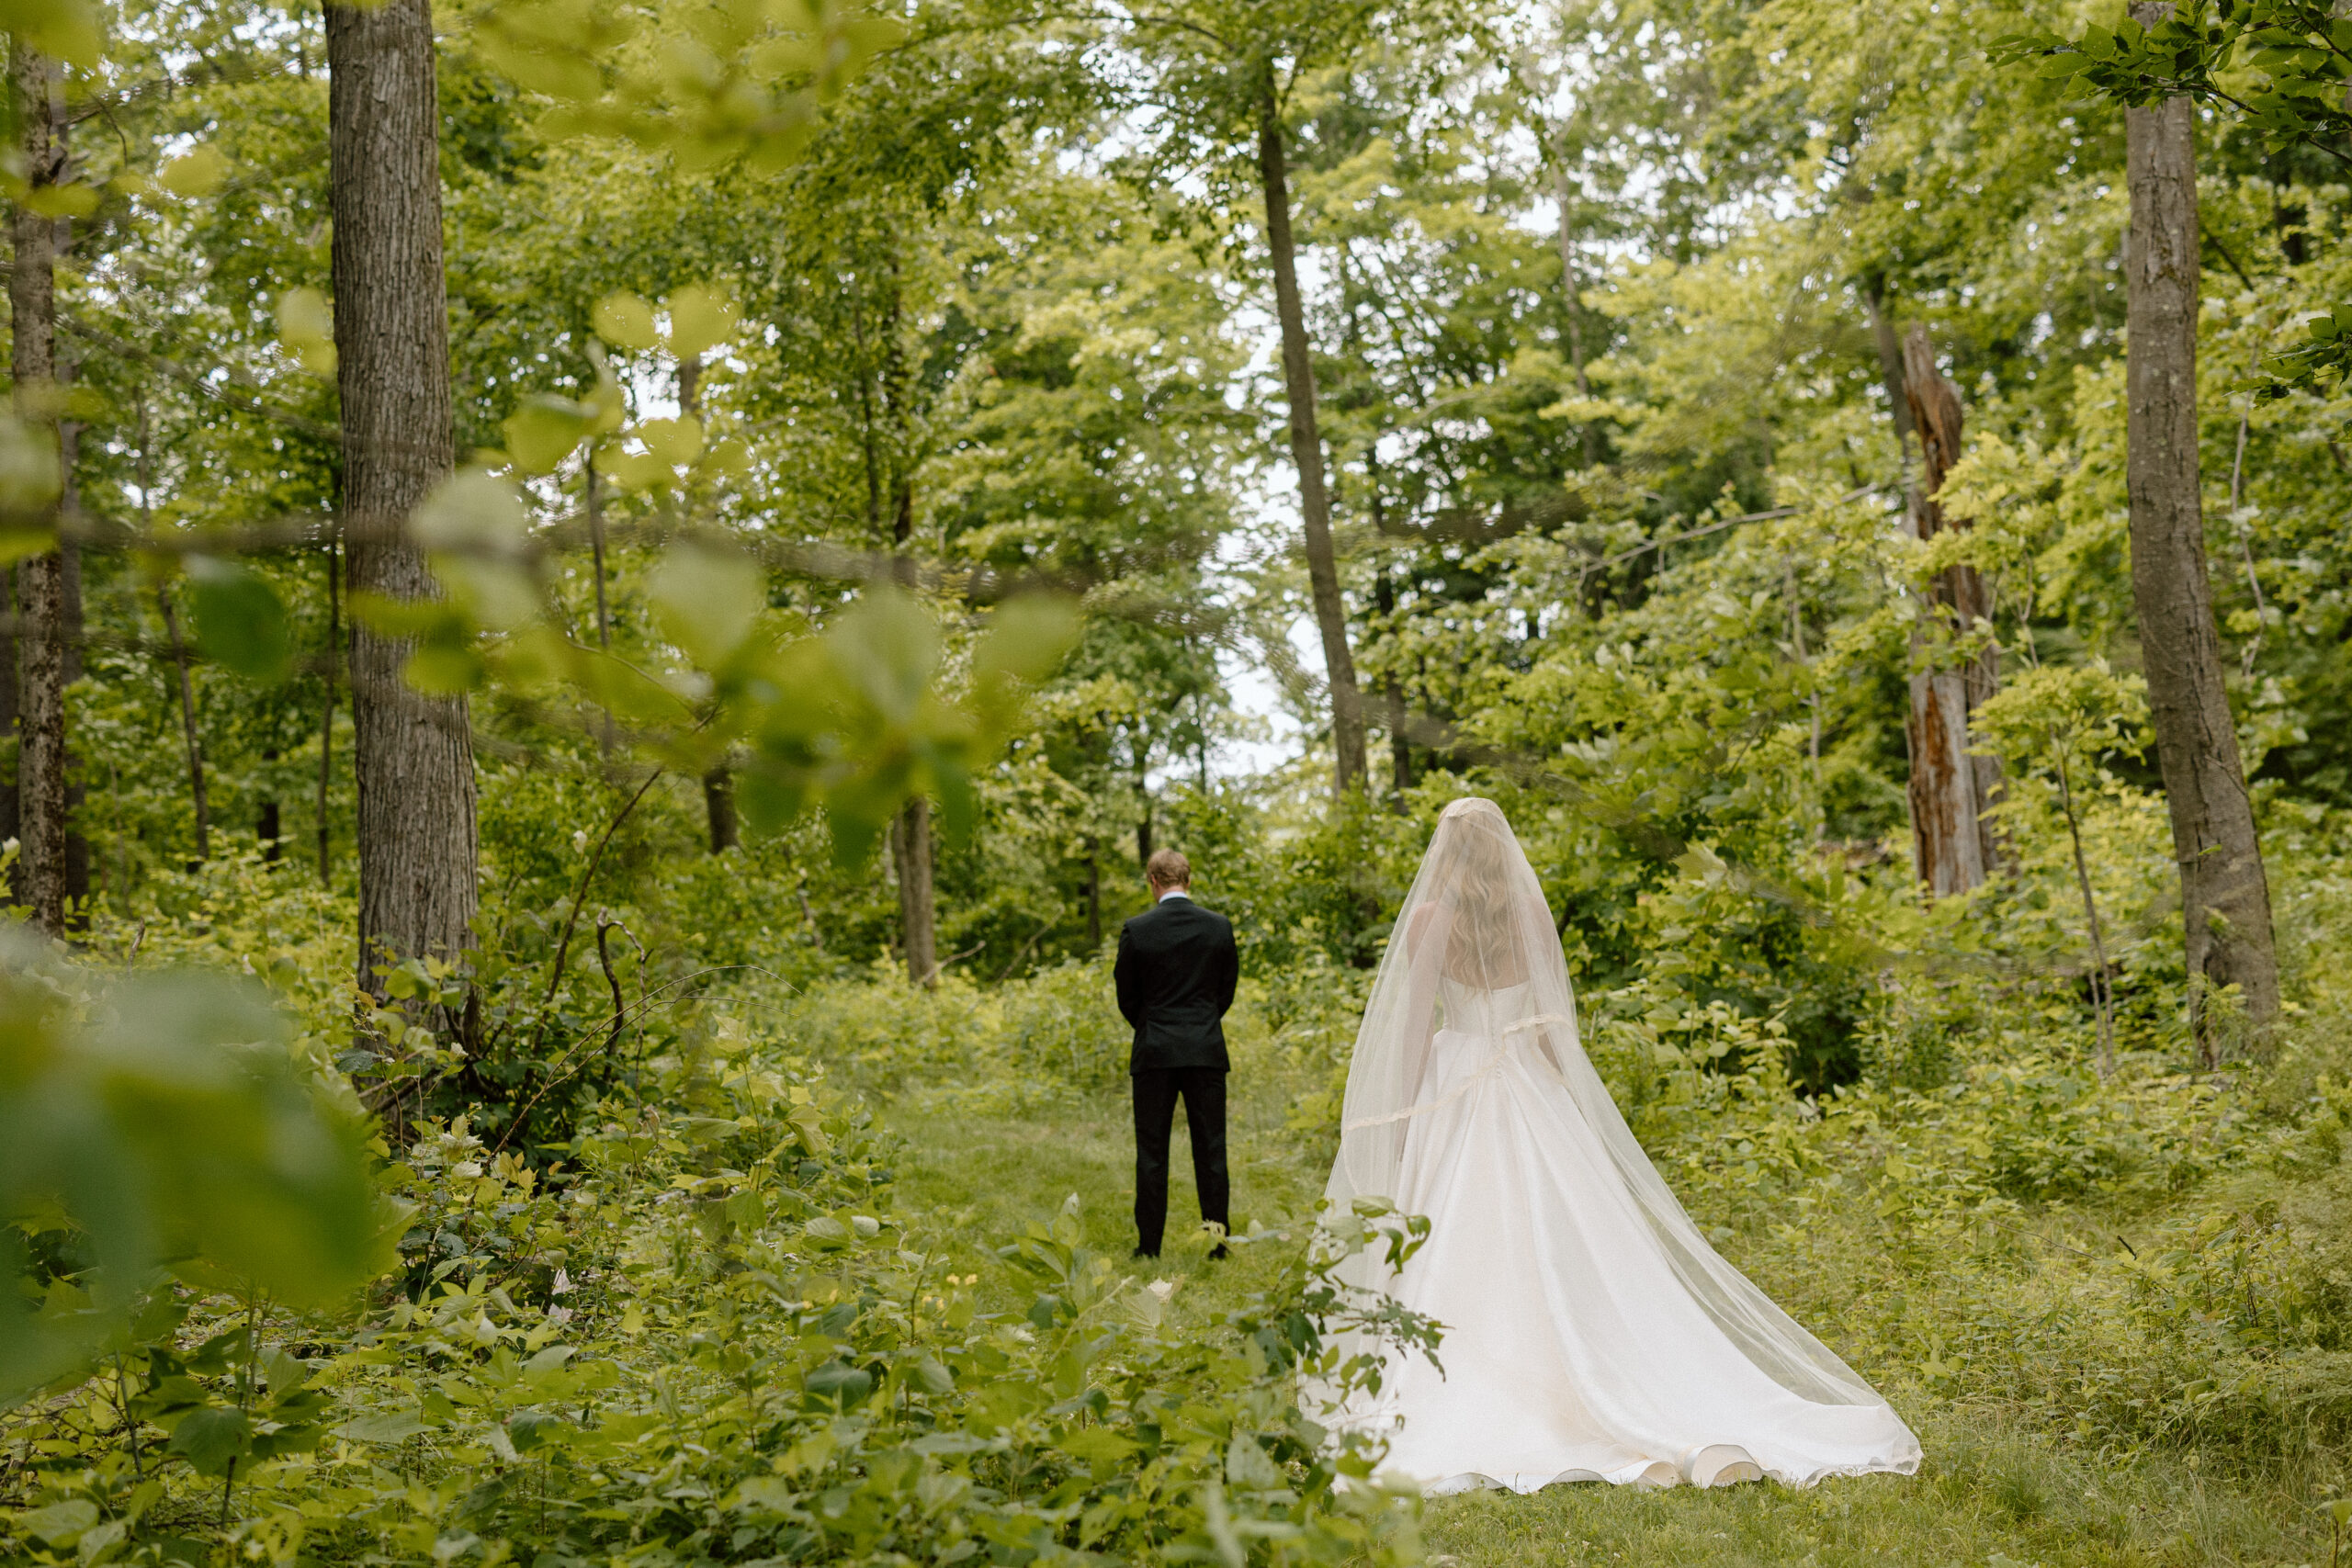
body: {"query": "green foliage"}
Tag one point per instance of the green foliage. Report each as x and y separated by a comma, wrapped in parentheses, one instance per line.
(161, 1122)
(709, 1329)
(2277, 63)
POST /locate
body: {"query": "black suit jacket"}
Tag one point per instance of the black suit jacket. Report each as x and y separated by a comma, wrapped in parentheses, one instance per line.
(1176, 973)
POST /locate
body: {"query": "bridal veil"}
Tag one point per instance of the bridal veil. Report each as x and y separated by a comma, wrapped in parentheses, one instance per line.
(1468, 1064)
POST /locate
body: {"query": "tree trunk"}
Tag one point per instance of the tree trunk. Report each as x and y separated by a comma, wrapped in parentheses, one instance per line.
(1573, 314)
(1144, 844)
(1306, 454)
(269, 827)
(910, 851)
(1890, 359)
(69, 617)
(326, 720)
(1400, 744)
(718, 804)
(1093, 898)
(413, 754)
(40, 580)
(1953, 846)
(2225, 897)
(9, 824)
(719, 785)
(189, 730)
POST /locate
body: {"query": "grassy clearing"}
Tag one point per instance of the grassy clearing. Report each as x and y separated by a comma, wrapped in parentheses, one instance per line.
(1993, 1493)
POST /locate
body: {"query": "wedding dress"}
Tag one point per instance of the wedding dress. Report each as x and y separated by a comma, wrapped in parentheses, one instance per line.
(1591, 1334)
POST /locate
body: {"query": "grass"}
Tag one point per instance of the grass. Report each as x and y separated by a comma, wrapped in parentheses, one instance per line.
(1991, 1493)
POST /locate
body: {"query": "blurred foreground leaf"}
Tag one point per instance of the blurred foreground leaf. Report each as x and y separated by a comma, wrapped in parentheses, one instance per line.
(163, 1120)
(240, 623)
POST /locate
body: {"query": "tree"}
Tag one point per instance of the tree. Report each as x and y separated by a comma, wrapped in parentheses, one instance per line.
(2225, 897)
(41, 798)
(1954, 843)
(413, 753)
(1226, 73)
(1306, 448)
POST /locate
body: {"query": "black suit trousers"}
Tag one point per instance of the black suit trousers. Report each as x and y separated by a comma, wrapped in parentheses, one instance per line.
(1156, 1092)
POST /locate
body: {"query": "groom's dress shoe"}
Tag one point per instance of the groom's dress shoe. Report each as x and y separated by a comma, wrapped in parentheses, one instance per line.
(1139, 1252)
(1218, 1251)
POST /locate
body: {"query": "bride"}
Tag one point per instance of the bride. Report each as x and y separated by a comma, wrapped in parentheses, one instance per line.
(1591, 1331)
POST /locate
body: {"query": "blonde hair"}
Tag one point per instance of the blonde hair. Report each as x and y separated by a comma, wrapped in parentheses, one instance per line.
(1482, 947)
(1167, 868)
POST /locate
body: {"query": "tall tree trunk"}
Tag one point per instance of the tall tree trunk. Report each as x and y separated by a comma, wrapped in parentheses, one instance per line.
(69, 605)
(9, 646)
(1953, 846)
(719, 785)
(911, 853)
(1400, 744)
(911, 833)
(189, 732)
(413, 754)
(1573, 314)
(1890, 359)
(2225, 897)
(1307, 455)
(326, 719)
(40, 580)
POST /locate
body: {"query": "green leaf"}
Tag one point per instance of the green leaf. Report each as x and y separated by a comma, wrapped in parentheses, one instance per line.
(385, 1427)
(1101, 1445)
(61, 201)
(443, 672)
(837, 1383)
(544, 431)
(532, 1429)
(1027, 636)
(1247, 1465)
(888, 646)
(626, 321)
(767, 803)
(196, 172)
(632, 471)
(958, 802)
(306, 326)
(701, 318)
(60, 1524)
(707, 600)
(473, 508)
(240, 623)
(211, 1437)
(68, 30)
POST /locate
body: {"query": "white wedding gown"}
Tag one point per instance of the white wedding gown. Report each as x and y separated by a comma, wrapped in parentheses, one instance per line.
(1591, 1332)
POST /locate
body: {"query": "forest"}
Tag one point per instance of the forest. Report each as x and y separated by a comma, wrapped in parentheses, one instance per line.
(604, 600)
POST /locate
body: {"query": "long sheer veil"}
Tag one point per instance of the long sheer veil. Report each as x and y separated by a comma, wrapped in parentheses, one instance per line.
(1476, 935)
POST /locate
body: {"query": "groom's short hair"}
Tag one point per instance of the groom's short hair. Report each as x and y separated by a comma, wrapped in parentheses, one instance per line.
(1167, 868)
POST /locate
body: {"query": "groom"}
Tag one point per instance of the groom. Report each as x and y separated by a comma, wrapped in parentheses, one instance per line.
(1176, 973)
